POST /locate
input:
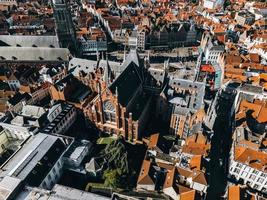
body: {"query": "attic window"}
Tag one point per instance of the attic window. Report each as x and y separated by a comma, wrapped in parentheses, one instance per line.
(18, 45)
(2, 58)
(14, 58)
(59, 58)
(52, 46)
(34, 45)
(41, 58)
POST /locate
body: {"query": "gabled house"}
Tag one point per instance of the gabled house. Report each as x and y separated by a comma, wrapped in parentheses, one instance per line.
(147, 177)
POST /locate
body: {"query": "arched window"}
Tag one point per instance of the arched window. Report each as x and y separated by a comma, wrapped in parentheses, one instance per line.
(109, 112)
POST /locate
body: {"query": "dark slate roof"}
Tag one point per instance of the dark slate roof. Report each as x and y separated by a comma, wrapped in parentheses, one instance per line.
(127, 83)
(4, 86)
(140, 104)
(46, 162)
(18, 97)
(78, 91)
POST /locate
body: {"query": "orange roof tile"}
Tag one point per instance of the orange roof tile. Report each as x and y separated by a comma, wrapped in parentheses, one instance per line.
(195, 162)
(190, 195)
(234, 192)
(169, 180)
(144, 177)
(258, 107)
(153, 141)
(199, 177)
(254, 159)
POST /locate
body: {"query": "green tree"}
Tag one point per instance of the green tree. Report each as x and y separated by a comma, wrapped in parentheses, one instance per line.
(111, 178)
(116, 158)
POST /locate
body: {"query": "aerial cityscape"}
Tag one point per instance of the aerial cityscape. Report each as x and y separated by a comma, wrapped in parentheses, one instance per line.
(133, 99)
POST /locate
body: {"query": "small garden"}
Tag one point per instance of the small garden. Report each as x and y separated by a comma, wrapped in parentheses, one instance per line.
(121, 163)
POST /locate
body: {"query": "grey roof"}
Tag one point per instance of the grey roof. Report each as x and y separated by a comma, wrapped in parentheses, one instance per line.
(92, 166)
(17, 54)
(251, 88)
(107, 76)
(218, 48)
(157, 74)
(18, 120)
(116, 67)
(132, 57)
(77, 65)
(7, 186)
(178, 100)
(77, 148)
(195, 101)
(25, 159)
(32, 111)
(30, 41)
(180, 110)
(60, 192)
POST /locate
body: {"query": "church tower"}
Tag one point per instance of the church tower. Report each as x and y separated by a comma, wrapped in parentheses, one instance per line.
(64, 26)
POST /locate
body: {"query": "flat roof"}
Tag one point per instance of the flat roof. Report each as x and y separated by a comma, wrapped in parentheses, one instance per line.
(28, 54)
(30, 40)
(60, 192)
(24, 160)
(7, 186)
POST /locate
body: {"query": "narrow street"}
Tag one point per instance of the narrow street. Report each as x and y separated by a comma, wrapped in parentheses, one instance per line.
(221, 144)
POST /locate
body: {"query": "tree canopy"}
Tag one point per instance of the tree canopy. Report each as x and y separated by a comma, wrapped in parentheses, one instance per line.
(116, 159)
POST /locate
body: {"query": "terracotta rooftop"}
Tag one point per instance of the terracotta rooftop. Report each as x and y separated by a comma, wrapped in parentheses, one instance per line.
(144, 176)
(254, 159)
(259, 109)
(153, 141)
(196, 175)
(190, 195)
(170, 176)
(195, 162)
(234, 192)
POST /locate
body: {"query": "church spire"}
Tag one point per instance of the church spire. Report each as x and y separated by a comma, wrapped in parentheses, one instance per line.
(124, 54)
(107, 76)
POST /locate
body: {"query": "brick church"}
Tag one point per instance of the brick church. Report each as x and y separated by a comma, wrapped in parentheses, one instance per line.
(121, 98)
(122, 105)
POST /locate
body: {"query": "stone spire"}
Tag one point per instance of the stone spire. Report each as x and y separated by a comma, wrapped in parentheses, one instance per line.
(107, 76)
